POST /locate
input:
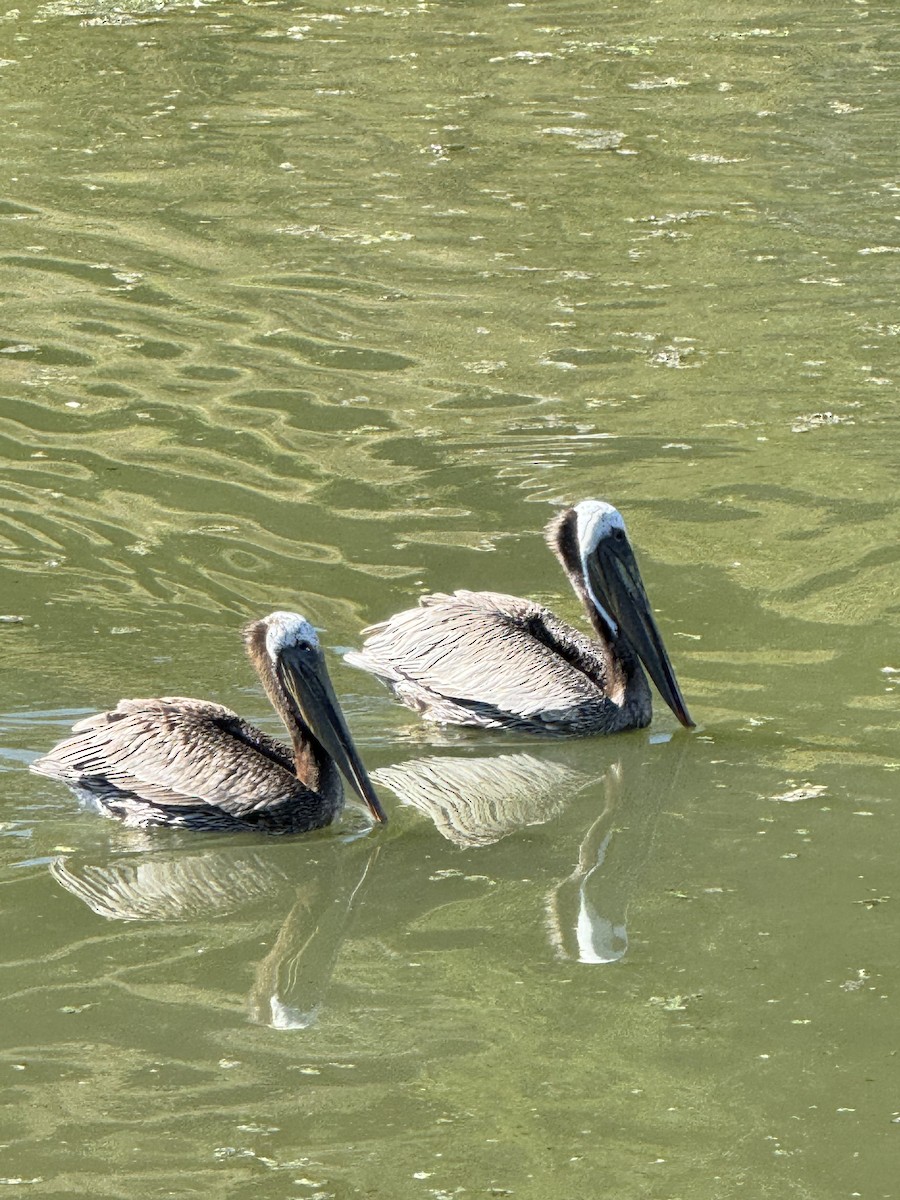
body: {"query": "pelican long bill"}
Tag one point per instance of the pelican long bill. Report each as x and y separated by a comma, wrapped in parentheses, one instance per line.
(305, 677)
(615, 579)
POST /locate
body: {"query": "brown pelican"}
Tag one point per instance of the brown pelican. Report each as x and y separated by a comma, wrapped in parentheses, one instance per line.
(481, 658)
(197, 765)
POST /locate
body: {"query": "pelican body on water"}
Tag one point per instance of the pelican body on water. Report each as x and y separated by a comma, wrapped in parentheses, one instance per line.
(498, 662)
(197, 765)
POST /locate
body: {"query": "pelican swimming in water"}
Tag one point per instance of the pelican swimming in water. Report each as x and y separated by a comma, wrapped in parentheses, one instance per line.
(482, 658)
(197, 765)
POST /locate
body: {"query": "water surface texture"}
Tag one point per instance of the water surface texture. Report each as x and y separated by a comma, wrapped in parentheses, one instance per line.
(321, 308)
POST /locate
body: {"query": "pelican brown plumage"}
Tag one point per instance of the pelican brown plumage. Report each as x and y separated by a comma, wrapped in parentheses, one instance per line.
(197, 765)
(495, 661)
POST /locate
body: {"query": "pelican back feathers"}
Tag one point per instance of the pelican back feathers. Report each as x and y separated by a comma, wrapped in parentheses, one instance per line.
(188, 763)
(496, 661)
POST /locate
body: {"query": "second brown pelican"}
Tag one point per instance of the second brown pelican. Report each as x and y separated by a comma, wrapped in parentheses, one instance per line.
(486, 659)
(197, 765)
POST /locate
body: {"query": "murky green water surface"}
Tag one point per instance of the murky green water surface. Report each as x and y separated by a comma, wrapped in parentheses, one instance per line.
(323, 307)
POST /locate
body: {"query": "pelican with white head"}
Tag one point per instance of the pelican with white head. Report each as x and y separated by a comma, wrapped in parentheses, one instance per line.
(197, 765)
(500, 662)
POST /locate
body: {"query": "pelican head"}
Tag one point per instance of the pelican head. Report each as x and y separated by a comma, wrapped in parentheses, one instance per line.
(296, 662)
(603, 561)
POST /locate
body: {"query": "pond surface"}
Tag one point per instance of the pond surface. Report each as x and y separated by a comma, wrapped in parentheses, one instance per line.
(322, 308)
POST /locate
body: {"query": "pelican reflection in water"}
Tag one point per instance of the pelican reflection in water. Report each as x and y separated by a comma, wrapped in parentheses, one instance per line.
(249, 898)
(478, 801)
(197, 765)
(495, 661)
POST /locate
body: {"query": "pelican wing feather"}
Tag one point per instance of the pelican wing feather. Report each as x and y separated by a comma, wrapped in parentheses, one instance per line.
(484, 658)
(174, 751)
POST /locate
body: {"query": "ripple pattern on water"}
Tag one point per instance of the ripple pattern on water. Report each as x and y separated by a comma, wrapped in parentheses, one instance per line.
(325, 307)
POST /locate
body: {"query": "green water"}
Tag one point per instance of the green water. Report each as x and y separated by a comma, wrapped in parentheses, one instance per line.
(322, 308)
